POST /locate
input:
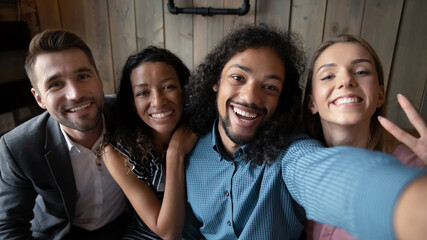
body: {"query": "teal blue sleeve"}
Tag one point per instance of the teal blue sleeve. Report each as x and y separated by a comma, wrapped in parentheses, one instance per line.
(347, 187)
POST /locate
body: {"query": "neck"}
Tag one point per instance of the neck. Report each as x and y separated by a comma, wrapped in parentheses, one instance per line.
(87, 138)
(161, 141)
(229, 146)
(354, 135)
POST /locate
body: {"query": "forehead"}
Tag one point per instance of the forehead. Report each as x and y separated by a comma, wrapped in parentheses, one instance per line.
(153, 73)
(343, 53)
(260, 59)
(59, 57)
(50, 63)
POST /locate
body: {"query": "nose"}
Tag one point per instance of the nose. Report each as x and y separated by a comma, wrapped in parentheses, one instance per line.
(157, 99)
(251, 93)
(73, 90)
(347, 80)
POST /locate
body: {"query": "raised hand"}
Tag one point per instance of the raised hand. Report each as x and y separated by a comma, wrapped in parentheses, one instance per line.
(417, 145)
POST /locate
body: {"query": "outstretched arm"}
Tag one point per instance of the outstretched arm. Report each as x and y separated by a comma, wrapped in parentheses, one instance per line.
(417, 145)
(410, 215)
(166, 219)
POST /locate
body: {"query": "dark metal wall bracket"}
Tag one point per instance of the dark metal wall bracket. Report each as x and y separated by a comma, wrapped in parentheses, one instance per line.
(209, 11)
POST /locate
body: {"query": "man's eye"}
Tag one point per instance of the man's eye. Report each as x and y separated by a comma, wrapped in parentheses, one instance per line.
(237, 78)
(54, 85)
(82, 76)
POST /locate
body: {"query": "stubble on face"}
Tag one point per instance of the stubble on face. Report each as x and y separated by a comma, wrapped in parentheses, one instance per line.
(84, 124)
(226, 124)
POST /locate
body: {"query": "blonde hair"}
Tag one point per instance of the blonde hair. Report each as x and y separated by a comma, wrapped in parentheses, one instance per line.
(312, 122)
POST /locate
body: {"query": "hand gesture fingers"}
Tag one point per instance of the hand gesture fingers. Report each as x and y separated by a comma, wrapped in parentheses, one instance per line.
(417, 145)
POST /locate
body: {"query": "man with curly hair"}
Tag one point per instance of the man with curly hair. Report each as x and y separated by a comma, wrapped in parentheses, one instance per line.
(254, 175)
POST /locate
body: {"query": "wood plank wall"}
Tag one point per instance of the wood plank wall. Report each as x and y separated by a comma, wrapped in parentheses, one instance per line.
(397, 29)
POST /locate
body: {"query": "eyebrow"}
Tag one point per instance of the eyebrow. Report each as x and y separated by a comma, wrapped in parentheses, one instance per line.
(83, 69)
(352, 62)
(248, 70)
(56, 76)
(161, 81)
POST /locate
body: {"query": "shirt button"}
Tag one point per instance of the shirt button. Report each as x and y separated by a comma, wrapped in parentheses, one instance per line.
(228, 223)
(227, 193)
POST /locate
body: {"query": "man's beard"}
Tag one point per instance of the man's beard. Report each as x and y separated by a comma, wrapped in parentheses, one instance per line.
(87, 126)
(84, 125)
(226, 125)
(239, 140)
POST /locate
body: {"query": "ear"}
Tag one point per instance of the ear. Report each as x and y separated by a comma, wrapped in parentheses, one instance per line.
(215, 87)
(38, 98)
(381, 96)
(312, 105)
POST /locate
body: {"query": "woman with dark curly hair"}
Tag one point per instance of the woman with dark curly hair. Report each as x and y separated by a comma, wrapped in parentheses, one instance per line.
(148, 139)
(253, 173)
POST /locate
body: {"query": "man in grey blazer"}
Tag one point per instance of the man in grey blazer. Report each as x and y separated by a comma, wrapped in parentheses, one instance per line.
(51, 184)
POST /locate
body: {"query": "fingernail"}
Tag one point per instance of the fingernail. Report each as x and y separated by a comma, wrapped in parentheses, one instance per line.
(379, 117)
(399, 95)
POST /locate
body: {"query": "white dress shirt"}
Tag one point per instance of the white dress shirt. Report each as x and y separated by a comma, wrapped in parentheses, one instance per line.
(100, 200)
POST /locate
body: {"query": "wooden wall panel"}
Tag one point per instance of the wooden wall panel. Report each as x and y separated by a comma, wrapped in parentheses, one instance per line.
(48, 13)
(208, 30)
(9, 11)
(275, 12)
(380, 27)
(123, 34)
(308, 20)
(97, 37)
(179, 32)
(149, 23)
(233, 20)
(72, 16)
(343, 16)
(115, 29)
(409, 71)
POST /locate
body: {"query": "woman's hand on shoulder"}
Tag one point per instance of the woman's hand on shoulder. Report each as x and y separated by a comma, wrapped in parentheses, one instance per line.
(417, 145)
(182, 140)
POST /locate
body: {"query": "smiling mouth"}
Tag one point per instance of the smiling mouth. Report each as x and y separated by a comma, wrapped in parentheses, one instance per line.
(245, 116)
(79, 108)
(161, 115)
(341, 101)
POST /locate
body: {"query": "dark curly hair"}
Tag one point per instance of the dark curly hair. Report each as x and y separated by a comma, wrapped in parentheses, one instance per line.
(129, 131)
(201, 107)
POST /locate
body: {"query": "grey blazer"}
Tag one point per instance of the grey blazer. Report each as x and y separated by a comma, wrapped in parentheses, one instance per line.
(37, 187)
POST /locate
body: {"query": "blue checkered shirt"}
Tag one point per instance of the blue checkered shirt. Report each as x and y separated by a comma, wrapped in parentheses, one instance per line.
(228, 198)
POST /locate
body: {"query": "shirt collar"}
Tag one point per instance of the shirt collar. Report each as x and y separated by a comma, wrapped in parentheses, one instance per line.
(219, 148)
(71, 144)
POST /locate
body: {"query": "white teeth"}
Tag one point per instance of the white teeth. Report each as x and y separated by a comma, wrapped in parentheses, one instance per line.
(75, 109)
(161, 115)
(245, 114)
(346, 100)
